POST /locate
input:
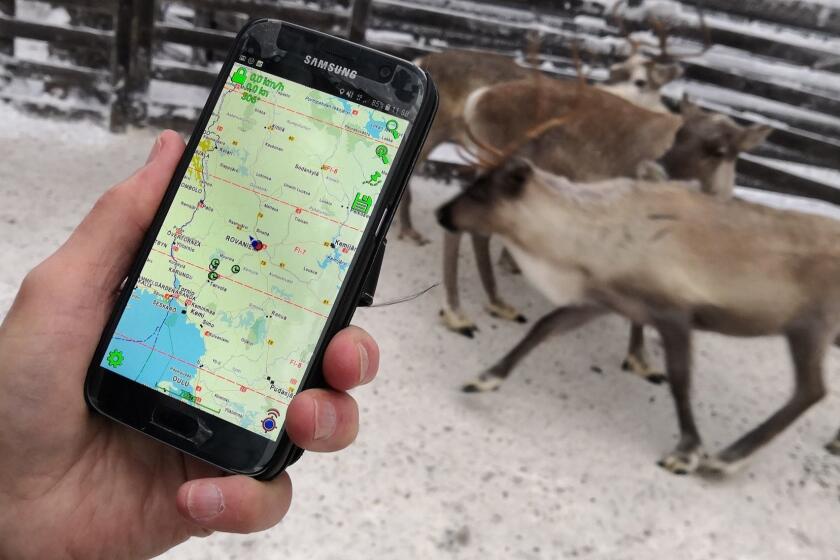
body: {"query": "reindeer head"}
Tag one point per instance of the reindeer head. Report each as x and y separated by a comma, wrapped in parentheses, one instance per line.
(707, 148)
(480, 208)
(643, 74)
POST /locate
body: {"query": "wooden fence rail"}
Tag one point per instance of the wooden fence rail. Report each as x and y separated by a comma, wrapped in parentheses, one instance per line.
(135, 35)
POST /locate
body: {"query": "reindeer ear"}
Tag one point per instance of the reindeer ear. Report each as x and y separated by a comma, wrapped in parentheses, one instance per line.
(754, 136)
(661, 74)
(689, 109)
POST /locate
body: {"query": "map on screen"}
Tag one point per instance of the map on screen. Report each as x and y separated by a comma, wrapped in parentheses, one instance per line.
(252, 254)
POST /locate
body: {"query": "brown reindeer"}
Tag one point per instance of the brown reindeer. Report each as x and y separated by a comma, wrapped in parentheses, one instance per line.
(458, 73)
(591, 136)
(663, 255)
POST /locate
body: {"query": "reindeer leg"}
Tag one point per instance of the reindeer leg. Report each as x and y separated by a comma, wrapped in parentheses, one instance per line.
(406, 226)
(508, 263)
(558, 321)
(637, 361)
(453, 317)
(677, 340)
(808, 348)
(496, 307)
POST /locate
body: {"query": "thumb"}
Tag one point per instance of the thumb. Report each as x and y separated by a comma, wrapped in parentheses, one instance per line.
(235, 504)
(95, 259)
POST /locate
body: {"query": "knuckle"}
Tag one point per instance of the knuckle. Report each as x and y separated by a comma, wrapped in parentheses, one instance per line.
(37, 281)
(109, 198)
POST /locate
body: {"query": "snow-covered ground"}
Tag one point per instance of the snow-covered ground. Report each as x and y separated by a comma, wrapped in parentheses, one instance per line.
(558, 464)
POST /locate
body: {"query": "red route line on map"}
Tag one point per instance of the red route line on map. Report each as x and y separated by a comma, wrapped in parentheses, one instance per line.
(310, 117)
(244, 188)
(161, 352)
(244, 285)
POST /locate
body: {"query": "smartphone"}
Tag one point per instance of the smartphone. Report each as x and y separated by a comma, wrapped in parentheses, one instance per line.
(262, 244)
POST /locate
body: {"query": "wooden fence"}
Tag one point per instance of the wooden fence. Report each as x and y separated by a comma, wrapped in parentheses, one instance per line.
(134, 35)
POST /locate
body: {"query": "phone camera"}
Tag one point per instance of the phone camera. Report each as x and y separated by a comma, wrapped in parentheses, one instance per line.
(385, 72)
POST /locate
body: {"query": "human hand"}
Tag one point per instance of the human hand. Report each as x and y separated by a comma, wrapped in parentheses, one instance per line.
(76, 485)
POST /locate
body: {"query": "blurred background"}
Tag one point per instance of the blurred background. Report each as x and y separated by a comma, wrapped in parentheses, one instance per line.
(560, 462)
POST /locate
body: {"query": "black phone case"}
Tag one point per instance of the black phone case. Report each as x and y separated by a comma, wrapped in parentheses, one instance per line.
(360, 286)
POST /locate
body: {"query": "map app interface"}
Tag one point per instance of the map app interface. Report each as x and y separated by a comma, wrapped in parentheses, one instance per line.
(237, 289)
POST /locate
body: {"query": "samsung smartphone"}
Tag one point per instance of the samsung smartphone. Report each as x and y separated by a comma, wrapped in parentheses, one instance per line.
(262, 244)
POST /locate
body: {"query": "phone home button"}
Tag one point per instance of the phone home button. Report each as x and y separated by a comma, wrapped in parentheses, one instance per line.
(180, 424)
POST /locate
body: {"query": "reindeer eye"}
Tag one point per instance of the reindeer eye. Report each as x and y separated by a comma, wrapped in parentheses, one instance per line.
(715, 151)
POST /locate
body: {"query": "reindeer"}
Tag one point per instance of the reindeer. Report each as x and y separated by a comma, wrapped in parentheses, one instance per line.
(458, 73)
(640, 79)
(587, 134)
(663, 255)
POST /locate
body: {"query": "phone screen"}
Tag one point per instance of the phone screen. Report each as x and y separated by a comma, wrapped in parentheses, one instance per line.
(254, 250)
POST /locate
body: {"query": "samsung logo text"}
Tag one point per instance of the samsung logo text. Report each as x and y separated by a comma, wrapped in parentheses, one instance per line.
(321, 64)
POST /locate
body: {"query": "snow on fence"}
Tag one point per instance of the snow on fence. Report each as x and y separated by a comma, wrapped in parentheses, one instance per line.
(774, 61)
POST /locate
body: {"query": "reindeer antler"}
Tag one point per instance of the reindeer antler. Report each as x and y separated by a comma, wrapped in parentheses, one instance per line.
(663, 34)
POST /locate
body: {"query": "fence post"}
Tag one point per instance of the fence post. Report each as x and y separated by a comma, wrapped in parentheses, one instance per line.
(359, 20)
(132, 64)
(7, 44)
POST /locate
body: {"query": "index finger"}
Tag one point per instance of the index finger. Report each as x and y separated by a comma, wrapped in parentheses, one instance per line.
(351, 359)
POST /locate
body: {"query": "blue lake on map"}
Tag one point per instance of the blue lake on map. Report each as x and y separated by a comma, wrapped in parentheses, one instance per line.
(154, 327)
(282, 293)
(373, 126)
(334, 258)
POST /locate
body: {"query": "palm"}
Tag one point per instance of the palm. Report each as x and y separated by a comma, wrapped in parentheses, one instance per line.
(133, 478)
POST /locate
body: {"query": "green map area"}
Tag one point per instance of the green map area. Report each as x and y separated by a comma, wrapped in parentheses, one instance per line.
(254, 250)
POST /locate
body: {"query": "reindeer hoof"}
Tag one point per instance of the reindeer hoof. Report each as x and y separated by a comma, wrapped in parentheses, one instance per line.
(502, 310)
(834, 447)
(681, 462)
(638, 366)
(458, 323)
(485, 383)
(413, 235)
(468, 332)
(716, 467)
(656, 378)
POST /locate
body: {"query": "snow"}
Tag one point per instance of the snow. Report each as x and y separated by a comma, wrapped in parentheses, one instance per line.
(559, 463)
(170, 93)
(450, 153)
(776, 71)
(819, 174)
(384, 36)
(745, 101)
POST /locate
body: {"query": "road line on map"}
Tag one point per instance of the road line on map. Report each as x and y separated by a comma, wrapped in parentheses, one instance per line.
(244, 285)
(244, 188)
(161, 352)
(367, 136)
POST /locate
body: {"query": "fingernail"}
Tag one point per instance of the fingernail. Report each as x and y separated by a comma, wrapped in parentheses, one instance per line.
(364, 363)
(155, 149)
(325, 419)
(204, 501)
